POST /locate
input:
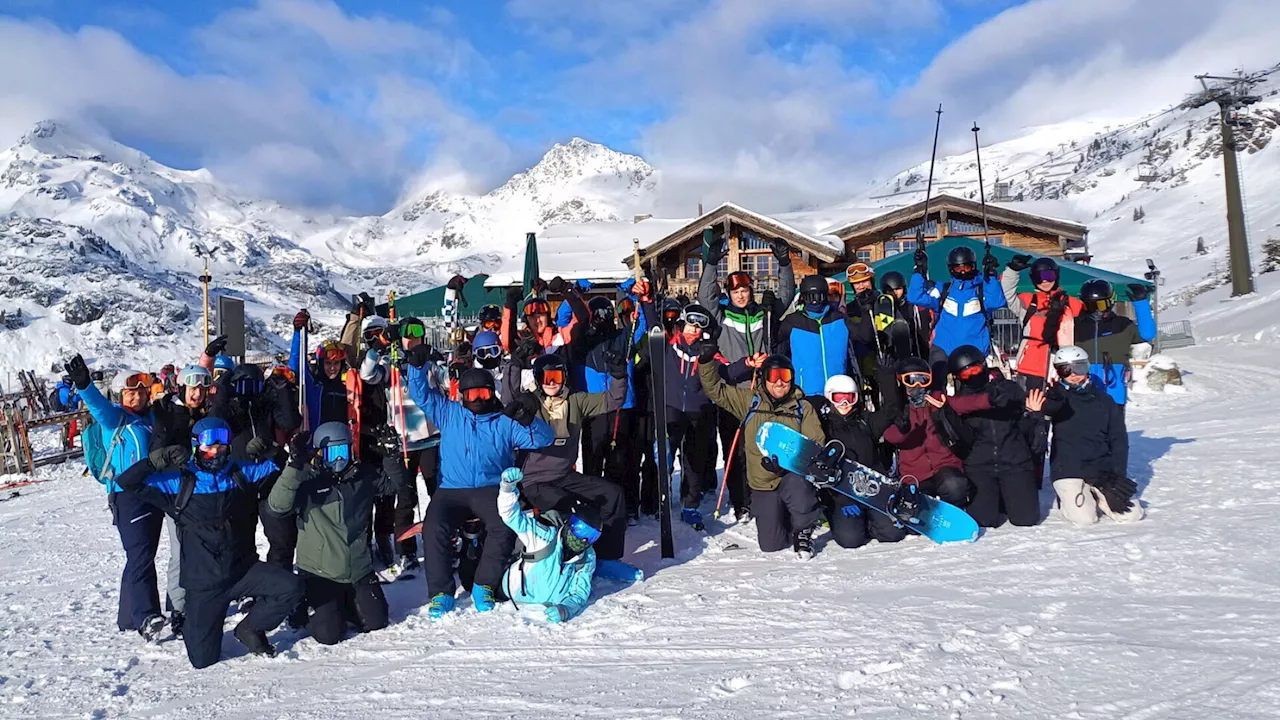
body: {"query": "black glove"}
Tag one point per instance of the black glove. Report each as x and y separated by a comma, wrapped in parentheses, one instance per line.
(903, 421)
(868, 297)
(418, 356)
(388, 440)
(770, 464)
(617, 364)
(78, 372)
(301, 320)
(769, 300)
(300, 450)
(715, 251)
(170, 457)
(514, 295)
(558, 285)
(990, 266)
(257, 449)
(525, 352)
(1006, 393)
(216, 346)
(922, 262)
(707, 350)
(363, 305)
(1117, 490)
(540, 286)
(457, 282)
(1138, 291)
(1055, 393)
(781, 250)
(523, 409)
(1020, 263)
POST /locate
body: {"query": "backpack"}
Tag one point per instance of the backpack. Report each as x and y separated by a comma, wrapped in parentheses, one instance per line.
(95, 451)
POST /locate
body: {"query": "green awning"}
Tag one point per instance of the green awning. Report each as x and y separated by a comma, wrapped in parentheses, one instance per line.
(429, 303)
(1073, 274)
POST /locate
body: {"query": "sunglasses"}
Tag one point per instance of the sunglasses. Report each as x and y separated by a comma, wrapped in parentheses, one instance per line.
(971, 372)
(778, 375)
(553, 376)
(487, 353)
(137, 381)
(844, 398)
(1044, 276)
(413, 330)
(213, 436)
(474, 394)
(738, 280)
(915, 379)
(701, 320)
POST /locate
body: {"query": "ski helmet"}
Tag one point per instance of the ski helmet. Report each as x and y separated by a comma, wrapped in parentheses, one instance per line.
(813, 291)
(962, 262)
(778, 368)
(670, 313)
(860, 272)
(891, 281)
(487, 347)
(581, 526)
(968, 364)
(550, 368)
(1044, 270)
(211, 443)
(1097, 295)
(195, 376)
(332, 442)
(490, 317)
(1071, 360)
(224, 362)
(841, 389)
(601, 311)
(696, 315)
(131, 380)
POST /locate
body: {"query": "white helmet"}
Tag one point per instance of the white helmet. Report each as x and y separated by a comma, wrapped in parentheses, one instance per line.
(839, 384)
(1070, 354)
(130, 380)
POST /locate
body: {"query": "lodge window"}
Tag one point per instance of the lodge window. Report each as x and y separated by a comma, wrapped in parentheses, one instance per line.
(862, 256)
(893, 247)
(930, 229)
(693, 267)
(759, 264)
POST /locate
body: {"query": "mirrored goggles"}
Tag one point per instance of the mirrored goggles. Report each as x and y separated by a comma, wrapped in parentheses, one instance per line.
(1044, 276)
(915, 379)
(214, 436)
(476, 394)
(1077, 367)
(138, 381)
(738, 280)
(581, 530)
(1101, 305)
(698, 319)
(284, 372)
(553, 375)
(971, 372)
(195, 379)
(248, 386)
(375, 335)
(332, 454)
(778, 375)
(844, 398)
(537, 308)
(413, 330)
(487, 353)
(963, 269)
(332, 352)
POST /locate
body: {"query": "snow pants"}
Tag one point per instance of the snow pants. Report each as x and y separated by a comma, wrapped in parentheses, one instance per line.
(608, 497)
(782, 512)
(854, 525)
(640, 483)
(939, 364)
(448, 510)
(282, 535)
(948, 485)
(597, 435)
(335, 605)
(739, 492)
(393, 514)
(276, 592)
(1080, 503)
(139, 526)
(694, 435)
(177, 598)
(1018, 488)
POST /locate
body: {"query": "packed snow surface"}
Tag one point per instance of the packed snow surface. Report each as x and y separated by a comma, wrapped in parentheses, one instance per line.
(1170, 617)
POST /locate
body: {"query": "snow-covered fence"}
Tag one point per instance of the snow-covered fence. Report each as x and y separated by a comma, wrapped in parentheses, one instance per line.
(1174, 334)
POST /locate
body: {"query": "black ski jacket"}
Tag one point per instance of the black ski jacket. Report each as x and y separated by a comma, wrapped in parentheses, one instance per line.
(861, 430)
(173, 421)
(1089, 436)
(271, 415)
(1003, 437)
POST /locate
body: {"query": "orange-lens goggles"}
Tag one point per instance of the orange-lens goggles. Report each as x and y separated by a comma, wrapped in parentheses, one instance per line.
(284, 372)
(964, 268)
(137, 381)
(474, 394)
(778, 375)
(971, 372)
(537, 308)
(915, 379)
(553, 376)
(333, 352)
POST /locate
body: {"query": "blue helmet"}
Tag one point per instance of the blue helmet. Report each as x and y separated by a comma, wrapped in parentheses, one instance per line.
(211, 443)
(224, 362)
(487, 348)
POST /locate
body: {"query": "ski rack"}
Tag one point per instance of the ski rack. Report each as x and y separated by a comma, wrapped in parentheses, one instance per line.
(22, 411)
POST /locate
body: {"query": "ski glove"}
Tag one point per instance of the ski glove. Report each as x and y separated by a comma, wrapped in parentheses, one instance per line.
(170, 457)
(714, 251)
(990, 266)
(525, 352)
(558, 285)
(362, 305)
(1138, 291)
(257, 449)
(557, 614)
(706, 350)
(769, 300)
(1118, 491)
(301, 320)
(781, 250)
(216, 346)
(388, 440)
(78, 371)
(418, 356)
(903, 421)
(1020, 263)
(511, 476)
(514, 296)
(770, 463)
(300, 450)
(523, 409)
(457, 282)
(617, 365)
(921, 262)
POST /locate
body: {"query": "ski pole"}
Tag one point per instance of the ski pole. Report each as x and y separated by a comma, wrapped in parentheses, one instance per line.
(928, 190)
(397, 385)
(303, 370)
(733, 450)
(986, 242)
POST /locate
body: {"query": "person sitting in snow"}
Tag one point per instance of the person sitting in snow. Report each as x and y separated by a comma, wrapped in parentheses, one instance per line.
(558, 561)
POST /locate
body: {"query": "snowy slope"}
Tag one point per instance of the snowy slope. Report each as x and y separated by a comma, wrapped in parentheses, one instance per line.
(1170, 617)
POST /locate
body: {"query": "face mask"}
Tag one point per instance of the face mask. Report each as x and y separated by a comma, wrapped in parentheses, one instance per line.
(916, 396)
(489, 363)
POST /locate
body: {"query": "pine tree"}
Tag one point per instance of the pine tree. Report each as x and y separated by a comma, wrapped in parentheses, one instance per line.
(1271, 255)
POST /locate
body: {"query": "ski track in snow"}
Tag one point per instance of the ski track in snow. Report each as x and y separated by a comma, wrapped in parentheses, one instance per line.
(1171, 617)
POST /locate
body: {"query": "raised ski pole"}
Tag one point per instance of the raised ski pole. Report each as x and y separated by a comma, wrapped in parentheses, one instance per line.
(986, 242)
(928, 195)
(397, 398)
(303, 371)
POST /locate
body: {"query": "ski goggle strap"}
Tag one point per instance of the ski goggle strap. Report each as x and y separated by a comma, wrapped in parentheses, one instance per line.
(844, 398)
(915, 379)
(474, 394)
(553, 375)
(487, 353)
(1044, 276)
(738, 279)
(214, 436)
(971, 371)
(331, 454)
(137, 381)
(699, 319)
(778, 374)
(581, 530)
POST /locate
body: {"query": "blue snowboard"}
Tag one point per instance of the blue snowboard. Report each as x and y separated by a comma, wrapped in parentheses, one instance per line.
(939, 521)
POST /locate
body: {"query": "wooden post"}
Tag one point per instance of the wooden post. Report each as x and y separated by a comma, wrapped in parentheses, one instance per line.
(942, 225)
(204, 280)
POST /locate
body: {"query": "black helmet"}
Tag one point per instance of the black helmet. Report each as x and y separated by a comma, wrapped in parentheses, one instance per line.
(965, 356)
(601, 310)
(473, 378)
(914, 365)
(891, 281)
(545, 363)
(1044, 265)
(490, 313)
(813, 289)
(1097, 295)
(962, 255)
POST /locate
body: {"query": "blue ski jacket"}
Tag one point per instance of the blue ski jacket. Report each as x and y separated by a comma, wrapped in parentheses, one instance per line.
(962, 317)
(326, 399)
(474, 449)
(126, 436)
(818, 348)
(1108, 339)
(551, 580)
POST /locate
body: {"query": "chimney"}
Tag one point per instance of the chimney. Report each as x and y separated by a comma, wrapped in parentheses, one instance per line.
(699, 208)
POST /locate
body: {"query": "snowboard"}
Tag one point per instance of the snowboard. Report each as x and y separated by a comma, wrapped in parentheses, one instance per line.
(661, 449)
(939, 521)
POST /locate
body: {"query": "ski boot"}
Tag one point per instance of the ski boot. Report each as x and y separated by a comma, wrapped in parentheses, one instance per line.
(618, 570)
(409, 565)
(254, 640)
(482, 598)
(905, 505)
(742, 515)
(152, 627)
(440, 606)
(176, 620)
(383, 553)
(692, 518)
(633, 518)
(803, 544)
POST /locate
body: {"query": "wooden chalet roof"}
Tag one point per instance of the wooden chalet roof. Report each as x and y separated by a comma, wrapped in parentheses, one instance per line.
(825, 247)
(1001, 213)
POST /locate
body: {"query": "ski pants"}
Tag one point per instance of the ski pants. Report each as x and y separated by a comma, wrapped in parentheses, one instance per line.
(1080, 503)
(1015, 485)
(597, 435)
(448, 510)
(393, 514)
(941, 368)
(948, 485)
(177, 597)
(139, 526)
(640, 483)
(736, 467)
(782, 512)
(694, 435)
(336, 604)
(608, 497)
(276, 592)
(854, 525)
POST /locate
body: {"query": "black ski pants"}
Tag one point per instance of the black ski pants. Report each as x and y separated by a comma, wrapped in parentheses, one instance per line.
(139, 526)
(941, 368)
(597, 435)
(1016, 486)
(736, 467)
(335, 605)
(448, 510)
(640, 483)
(275, 591)
(854, 525)
(782, 512)
(694, 435)
(608, 497)
(393, 514)
(948, 485)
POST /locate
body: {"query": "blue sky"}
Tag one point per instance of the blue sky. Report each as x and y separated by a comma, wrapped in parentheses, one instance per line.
(353, 104)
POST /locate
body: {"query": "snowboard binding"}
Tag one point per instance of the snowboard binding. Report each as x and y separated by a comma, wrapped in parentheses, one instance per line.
(826, 467)
(905, 505)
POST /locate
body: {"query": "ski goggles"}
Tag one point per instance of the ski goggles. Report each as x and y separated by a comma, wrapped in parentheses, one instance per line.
(915, 379)
(137, 381)
(553, 375)
(963, 269)
(336, 456)
(671, 314)
(248, 386)
(971, 372)
(413, 330)
(858, 272)
(778, 374)
(1099, 305)
(602, 314)
(487, 353)
(375, 335)
(331, 351)
(1075, 367)
(490, 325)
(581, 530)
(844, 398)
(536, 307)
(699, 319)
(814, 297)
(285, 372)
(475, 394)
(1044, 276)
(213, 436)
(738, 279)
(626, 306)
(195, 377)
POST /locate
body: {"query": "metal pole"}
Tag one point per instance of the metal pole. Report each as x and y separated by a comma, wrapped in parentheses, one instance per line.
(1237, 233)
(928, 190)
(204, 280)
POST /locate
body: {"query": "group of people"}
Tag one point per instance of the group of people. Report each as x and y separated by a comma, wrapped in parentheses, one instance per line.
(534, 437)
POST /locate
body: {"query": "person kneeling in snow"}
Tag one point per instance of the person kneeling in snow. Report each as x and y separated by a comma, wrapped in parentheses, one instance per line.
(557, 563)
(1089, 457)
